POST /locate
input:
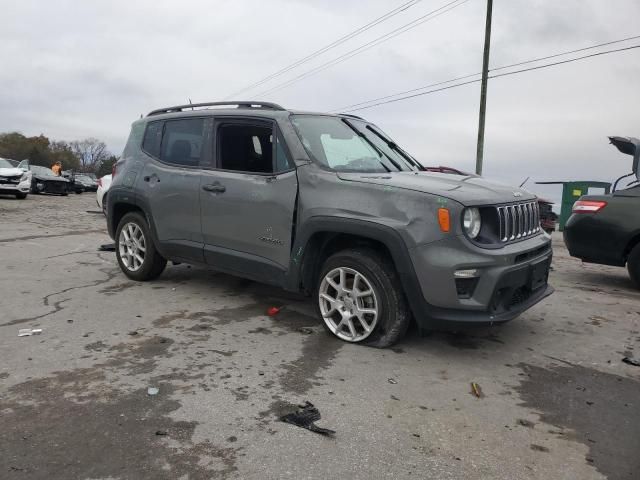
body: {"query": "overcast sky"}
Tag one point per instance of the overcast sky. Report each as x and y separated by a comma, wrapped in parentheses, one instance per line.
(71, 69)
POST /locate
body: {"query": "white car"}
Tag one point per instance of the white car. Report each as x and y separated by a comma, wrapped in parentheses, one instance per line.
(14, 180)
(101, 195)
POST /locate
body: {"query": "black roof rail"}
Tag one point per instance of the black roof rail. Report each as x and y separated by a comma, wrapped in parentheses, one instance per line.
(243, 104)
(350, 115)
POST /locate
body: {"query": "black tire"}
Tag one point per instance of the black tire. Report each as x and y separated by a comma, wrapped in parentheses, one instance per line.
(394, 315)
(21, 196)
(633, 265)
(153, 264)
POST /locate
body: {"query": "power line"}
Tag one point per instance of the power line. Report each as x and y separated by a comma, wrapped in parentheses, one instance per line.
(388, 36)
(464, 77)
(332, 45)
(493, 76)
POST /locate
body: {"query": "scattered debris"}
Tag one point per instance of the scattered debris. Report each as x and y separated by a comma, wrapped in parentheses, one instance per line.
(393, 397)
(305, 417)
(133, 333)
(273, 311)
(392, 381)
(95, 211)
(525, 423)
(69, 321)
(161, 433)
(631, 361)
(107, 247)
(152, 391)
(538, 448)
(306, 330)
(27, 332)
(476, 391)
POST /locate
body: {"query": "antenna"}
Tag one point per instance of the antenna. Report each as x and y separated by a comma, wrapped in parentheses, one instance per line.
(191, 105)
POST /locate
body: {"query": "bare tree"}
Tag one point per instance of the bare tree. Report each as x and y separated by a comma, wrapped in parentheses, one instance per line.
(90, 152)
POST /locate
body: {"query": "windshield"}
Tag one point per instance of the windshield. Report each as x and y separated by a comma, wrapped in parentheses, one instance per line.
(345, 145)
(6, 163)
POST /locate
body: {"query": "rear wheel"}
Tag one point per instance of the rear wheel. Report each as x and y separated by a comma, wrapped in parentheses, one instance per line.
(633, 265)
(360, 298)
(135, 251)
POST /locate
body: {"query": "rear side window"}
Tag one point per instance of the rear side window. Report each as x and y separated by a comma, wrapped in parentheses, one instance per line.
(182, 142)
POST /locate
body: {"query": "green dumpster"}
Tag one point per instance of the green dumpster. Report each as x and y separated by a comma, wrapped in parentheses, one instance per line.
(572, 191)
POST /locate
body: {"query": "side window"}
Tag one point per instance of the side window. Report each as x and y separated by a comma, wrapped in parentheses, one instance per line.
(152, 137)
(245, 148)
(182, 142)
(283, 162)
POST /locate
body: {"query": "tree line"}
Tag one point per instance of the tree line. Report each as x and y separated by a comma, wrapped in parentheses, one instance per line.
(89, 155)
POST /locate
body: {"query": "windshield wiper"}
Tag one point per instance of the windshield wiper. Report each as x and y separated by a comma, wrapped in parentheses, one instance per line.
(372, 145)
(394, 146)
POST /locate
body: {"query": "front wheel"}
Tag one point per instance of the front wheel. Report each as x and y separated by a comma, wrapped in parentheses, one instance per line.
(633, 265)
(21, 195)
(360, 298)
(135, 251)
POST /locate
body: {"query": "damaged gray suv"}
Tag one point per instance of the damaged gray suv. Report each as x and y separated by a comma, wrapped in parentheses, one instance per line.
(330, 206)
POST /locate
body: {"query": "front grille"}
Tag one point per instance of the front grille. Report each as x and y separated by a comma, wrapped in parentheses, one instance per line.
(518, 221)
(10, 180)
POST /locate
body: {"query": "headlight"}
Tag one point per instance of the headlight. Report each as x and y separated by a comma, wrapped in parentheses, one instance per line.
(471, 222)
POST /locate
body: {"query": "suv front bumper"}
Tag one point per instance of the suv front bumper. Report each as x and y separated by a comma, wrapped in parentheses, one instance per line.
(507, 281)
(13, 188)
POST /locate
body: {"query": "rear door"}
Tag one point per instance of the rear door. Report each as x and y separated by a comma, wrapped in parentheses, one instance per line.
(248, 199)
(170, 183)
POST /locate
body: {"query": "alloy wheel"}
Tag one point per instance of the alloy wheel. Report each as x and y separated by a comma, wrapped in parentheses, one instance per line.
(132, 246)
(348, 304)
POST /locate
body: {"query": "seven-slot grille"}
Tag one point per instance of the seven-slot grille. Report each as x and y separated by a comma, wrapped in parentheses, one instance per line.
(518, 221)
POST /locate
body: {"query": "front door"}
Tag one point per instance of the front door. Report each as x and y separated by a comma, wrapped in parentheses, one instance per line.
(248, 200)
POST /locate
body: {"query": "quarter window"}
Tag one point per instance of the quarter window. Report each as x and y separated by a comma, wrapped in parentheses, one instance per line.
(182, 142)
(152, 138)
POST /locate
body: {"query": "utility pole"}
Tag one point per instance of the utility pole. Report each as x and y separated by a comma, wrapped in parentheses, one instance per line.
(483, 89)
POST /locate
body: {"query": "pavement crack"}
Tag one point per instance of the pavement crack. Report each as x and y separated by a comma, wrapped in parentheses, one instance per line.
(65, 234)
(57, 306)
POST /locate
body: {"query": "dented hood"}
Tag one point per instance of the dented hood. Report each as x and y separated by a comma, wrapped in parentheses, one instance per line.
(468, 190)
(11, 172)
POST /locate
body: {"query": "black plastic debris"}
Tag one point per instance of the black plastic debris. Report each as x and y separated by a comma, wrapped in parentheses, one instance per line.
(631, 361)
(305, 417)
(107, 247)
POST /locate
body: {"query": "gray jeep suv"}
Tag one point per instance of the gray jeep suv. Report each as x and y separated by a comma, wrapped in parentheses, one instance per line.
(330, 206)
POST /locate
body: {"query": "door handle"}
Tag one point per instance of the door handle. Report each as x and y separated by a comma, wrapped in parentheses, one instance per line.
(214, 188)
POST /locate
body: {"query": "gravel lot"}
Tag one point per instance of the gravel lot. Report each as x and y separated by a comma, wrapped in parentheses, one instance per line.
(557, 401)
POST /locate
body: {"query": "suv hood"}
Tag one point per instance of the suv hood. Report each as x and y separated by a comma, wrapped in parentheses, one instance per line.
(466, 189)
(11, 172)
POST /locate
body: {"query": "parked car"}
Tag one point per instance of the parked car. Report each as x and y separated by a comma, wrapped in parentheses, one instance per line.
(14, 180)
(88, 183)
(605, 229)
(101, 194)
(43, 180)
(74, 186)
(327, 205)
(548, 218)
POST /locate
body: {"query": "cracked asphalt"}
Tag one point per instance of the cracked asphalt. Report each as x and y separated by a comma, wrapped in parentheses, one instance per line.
(557, 400)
